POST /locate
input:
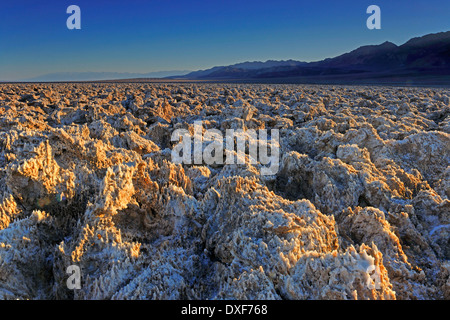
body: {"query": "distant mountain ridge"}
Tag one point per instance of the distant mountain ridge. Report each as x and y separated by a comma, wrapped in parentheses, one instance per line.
(249, 65)
(420, 59)
(420, 56)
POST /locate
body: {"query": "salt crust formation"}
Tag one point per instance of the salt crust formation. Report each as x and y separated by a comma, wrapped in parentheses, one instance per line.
(359, 208)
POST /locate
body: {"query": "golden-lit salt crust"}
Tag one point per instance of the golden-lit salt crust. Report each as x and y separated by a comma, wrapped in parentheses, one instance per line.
(86, 178)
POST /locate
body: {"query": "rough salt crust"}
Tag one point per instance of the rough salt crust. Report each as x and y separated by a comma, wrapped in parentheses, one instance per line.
(86, 179)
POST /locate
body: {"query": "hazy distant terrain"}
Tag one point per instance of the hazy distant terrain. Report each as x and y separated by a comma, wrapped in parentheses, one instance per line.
(359, 208)
(420, 61)
(95, 76)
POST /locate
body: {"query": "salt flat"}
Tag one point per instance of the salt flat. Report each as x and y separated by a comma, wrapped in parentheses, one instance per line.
(358, 209)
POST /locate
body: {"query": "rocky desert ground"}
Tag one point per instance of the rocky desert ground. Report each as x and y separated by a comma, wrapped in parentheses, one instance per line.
(359, 208)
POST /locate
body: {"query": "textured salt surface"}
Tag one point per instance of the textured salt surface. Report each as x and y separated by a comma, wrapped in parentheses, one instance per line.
(86, 179)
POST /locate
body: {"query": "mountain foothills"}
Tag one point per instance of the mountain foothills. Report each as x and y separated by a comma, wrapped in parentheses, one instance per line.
(425, 58)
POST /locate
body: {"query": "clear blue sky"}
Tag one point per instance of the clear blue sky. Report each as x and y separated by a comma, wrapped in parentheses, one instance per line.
(159, 35)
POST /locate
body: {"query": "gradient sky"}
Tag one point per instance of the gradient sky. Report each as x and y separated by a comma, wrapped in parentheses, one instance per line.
(161, 35)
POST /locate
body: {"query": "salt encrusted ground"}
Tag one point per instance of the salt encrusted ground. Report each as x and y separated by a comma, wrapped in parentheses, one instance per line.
(86, 179)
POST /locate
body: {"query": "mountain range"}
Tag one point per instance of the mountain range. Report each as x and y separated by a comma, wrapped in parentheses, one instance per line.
(421, 59)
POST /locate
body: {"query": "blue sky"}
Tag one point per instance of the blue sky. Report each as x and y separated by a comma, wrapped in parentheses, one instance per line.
(160, 35)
